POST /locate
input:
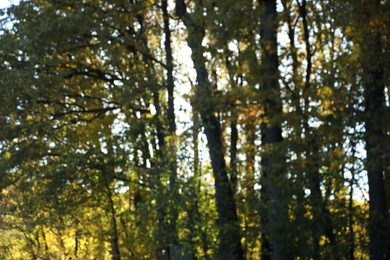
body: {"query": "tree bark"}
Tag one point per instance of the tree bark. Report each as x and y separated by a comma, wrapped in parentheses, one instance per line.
(114, 236)
(229, 231)
(197, 187)
(273, 164)
(169, 69)
(322, 222)
(233, 126)
(373, 80)
(171, 144)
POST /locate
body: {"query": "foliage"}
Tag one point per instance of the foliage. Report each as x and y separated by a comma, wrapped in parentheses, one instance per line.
(97, 162)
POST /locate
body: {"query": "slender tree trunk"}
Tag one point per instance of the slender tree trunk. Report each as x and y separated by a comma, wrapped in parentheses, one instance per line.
(302, 245)
(233, 154)
(233, 126)
(273, 163)
(194, 215)
(351, 222)
(171, 145)
(45, 240)
(252, 199)
(163, 235)
(229, 231)
(167, 211)
(169, 69)
(322, 222)
(76, 243)
(373, 80)
(197, 183)
(264, 218)
(114, 236)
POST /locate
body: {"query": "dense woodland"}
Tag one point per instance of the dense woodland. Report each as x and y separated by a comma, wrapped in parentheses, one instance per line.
(195, 129)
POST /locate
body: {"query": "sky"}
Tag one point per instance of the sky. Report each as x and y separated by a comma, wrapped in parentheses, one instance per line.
(6, 3)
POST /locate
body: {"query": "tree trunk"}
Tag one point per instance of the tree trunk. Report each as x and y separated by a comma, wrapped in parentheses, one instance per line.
(233, 126)
(166, 152)
(322, 222)
(229, 231)
(76, 242)
(197, 185)
(171, 144)
(114, 236)
(302, 245)
(169, 68)
(373, 80)
(351, 222)
(273, 163)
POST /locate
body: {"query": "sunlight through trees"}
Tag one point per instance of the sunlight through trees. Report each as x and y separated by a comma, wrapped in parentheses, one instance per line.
(179, 129)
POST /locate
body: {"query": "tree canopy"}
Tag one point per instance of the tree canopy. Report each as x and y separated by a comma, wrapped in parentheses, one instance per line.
(162, 129)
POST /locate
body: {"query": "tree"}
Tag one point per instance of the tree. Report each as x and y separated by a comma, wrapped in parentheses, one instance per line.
(98, 160)
(373, 81)
(274, 171)
(229, 233)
